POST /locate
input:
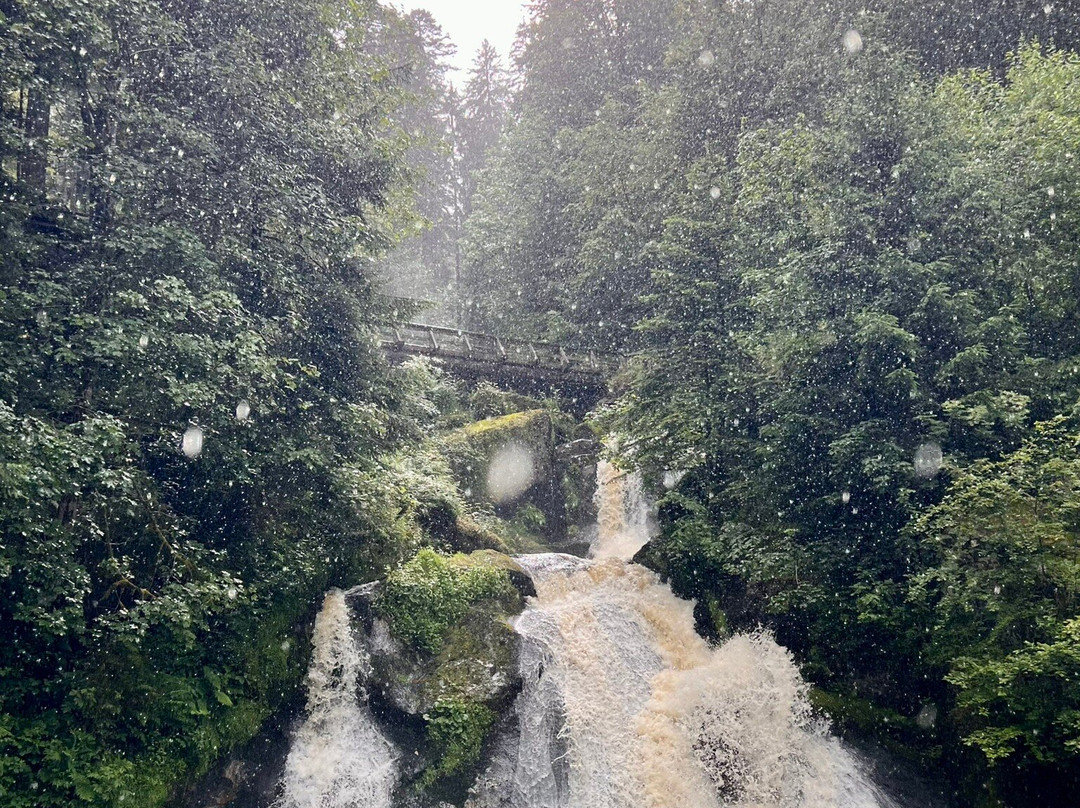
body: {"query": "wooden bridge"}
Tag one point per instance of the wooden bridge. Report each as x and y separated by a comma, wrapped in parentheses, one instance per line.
(530, 367)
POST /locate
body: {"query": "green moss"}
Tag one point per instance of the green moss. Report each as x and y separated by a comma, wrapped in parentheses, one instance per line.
(717, 616)
(504, 423)
(470, 448)
(423, 598)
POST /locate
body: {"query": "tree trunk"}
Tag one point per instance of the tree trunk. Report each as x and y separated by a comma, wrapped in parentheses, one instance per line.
(34, 161)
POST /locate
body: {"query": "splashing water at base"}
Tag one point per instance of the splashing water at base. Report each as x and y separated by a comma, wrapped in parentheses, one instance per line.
(339, 758)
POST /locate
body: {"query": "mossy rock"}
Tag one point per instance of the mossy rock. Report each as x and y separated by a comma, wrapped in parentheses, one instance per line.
(895, 732)
(471, 449)
(445, 525)
(444, 658)
(518, 577)
(488, 401)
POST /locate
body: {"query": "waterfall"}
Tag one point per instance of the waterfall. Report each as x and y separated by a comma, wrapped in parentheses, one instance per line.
(623, 704)
(651, 714)
(339, 758)
(622, 514)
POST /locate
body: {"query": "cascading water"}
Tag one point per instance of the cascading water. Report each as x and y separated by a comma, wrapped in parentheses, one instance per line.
(622, 704)
(339, 758)
(650, 714)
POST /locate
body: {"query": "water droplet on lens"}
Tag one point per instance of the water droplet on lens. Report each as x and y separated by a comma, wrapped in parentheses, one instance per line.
(928, 460)
(193, 442)
(853, 42)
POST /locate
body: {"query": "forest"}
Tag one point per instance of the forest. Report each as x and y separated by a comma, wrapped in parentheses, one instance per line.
(837, 242)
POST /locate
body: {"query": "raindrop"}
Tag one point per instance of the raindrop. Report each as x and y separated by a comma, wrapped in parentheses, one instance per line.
(928, 459)
(853, 42)
(1050, 192)
(845, 497)
(927, 716)
(144, 340)
(714, 192)
(510, 473)
(243, 410)
(672, 478)
(706, 58)
(192, 442)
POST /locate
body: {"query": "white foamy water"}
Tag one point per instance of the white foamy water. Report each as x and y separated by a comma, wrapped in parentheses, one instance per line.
(625, 706)
(339, 758)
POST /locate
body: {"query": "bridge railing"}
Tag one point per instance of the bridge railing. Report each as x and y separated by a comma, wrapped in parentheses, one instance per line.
(424, 340)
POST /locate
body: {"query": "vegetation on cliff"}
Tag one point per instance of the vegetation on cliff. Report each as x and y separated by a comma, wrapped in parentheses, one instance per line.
(840, 239)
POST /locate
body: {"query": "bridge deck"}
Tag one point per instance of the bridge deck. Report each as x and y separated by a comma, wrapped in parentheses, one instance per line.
(472, 349)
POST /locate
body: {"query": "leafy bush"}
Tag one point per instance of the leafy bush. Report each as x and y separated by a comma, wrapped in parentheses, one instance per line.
(456, 729)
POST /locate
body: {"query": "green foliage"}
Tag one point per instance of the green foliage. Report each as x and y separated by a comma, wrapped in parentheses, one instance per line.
(457, 730)
(196, 191)
(830, 262)
(1003, 597)
(424, 597)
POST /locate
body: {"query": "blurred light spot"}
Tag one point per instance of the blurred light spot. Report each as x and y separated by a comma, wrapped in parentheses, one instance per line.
(510, 473)
(927, 716)
(192, 442)
(672, 478)
(853, 42)
(928, 459)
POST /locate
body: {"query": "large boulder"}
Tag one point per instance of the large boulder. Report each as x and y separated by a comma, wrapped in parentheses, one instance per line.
(444, 664)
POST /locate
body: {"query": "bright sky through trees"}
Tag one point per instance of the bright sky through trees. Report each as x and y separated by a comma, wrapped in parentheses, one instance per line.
(469, 22)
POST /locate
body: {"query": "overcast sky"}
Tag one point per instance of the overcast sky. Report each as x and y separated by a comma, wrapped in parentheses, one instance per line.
(470, 22)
